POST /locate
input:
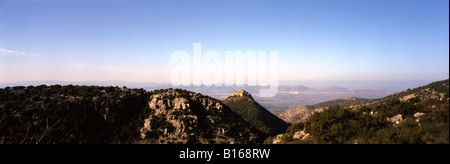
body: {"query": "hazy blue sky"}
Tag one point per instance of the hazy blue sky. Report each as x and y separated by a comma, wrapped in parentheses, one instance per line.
(327, 42)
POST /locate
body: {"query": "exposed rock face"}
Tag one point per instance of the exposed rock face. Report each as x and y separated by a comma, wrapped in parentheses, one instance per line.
(180, 116)
(407, 97)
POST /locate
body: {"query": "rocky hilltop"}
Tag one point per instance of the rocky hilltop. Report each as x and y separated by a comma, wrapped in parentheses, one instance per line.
(251, 111)
(180, 116)
(241, 94)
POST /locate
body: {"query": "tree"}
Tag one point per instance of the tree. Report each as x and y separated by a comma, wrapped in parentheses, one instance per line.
(294, 128)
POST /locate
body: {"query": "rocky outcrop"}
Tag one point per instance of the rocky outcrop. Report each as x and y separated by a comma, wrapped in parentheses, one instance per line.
(418, 116)
(407, 97)
(299, 135)
(281, 138)
(399, 118)
(241, 93)
(179, 116)
(278, 139)
(396, 119)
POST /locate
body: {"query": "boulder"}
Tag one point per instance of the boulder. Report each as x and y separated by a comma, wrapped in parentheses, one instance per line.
(396, 119)
(418, 115)
(298, 135)
(277, 139)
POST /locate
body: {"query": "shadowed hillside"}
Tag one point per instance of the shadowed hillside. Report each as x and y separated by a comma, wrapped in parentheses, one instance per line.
(243, 104)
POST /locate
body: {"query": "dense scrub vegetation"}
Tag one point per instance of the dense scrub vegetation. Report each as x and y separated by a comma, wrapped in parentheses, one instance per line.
(256, 115)
(369, 124)
(340, 102)
(71, 114)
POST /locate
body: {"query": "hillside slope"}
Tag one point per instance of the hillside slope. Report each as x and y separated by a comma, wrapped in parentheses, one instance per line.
(414, 116)
(243, 104)
(301, 114)
(92, 114)
(431, 92)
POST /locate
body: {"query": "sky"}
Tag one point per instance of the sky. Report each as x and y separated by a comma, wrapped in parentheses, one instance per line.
(368, 44)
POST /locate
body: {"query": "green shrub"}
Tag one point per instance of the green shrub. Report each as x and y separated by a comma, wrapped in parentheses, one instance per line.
(294, 128)
(333, 125)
